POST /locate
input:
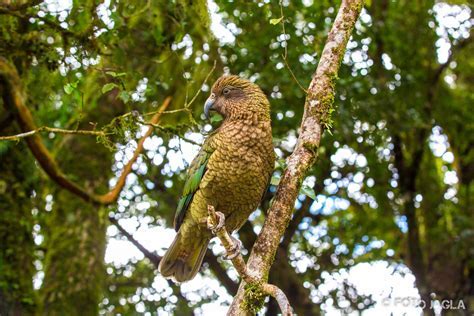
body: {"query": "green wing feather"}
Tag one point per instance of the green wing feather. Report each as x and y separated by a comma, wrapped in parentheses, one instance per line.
(193, 178)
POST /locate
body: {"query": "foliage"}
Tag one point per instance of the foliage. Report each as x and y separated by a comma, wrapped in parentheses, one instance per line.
(399, 157)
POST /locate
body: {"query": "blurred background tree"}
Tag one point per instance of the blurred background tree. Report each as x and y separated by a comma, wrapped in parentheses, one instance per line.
(392, 184)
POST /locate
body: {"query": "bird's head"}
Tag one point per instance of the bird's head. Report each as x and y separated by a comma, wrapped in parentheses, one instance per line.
(237, 98)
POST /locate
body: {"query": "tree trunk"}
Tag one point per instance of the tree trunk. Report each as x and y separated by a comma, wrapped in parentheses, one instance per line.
(16, 227)
(74, 268)
(76, 232)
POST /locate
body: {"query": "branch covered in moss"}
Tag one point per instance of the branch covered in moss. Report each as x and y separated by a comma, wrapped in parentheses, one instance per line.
(316, 118)
(256, 290)
(14, 100)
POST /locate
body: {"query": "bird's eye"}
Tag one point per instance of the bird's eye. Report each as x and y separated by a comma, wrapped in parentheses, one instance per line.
(226, 91)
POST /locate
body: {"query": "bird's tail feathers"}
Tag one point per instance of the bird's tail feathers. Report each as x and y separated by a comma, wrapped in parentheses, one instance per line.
(183, 259)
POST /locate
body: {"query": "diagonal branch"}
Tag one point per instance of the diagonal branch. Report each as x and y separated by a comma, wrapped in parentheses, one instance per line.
(316, 118)
(14, 99)
(154, 258)
(454, 50)
(221, 273)
(113, 194)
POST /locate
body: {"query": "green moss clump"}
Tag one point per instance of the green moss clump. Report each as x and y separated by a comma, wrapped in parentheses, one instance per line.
(254, 297)
(327, 105)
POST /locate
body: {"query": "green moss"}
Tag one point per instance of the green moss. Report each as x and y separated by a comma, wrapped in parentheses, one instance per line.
(18, 175)
(76, 236)
(327, 105)
(122, 128)
(75, 231)
(357, 6)
(254, 297)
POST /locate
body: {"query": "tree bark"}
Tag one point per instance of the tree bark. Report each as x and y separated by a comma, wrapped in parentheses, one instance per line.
(316, 118)
(75, 236)
(17, 178)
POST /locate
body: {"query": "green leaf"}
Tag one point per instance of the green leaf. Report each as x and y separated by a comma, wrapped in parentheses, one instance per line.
(124, 96)
(308, 191)
(216, 118)
(275, 180)
(68, 88)
(107, 87)
(115, 75)
(275, 21)
(280, 164)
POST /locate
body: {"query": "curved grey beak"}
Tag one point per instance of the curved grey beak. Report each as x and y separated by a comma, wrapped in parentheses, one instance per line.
(208, 106)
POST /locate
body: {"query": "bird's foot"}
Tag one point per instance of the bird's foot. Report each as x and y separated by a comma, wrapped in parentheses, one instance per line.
(215, 228)
(234, 251)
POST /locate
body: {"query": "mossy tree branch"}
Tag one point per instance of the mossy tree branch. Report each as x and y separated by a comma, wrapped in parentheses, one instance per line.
(14, 100)
(316, 118)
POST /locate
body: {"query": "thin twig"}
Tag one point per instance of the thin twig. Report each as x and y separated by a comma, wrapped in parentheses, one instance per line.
(239, 264)
(294, 76)
(187, 105)
(285, 56)
(199, 90)
(164, 129)
(52, 130)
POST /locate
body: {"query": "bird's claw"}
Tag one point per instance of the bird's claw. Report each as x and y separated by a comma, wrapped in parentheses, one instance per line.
(215, 228)
(235, 251)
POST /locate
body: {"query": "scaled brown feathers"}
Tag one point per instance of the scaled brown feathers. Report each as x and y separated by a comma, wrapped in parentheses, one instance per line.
(231, 172)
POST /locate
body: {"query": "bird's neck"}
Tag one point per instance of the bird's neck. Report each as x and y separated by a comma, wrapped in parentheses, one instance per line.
(249, 118)
(251, 122)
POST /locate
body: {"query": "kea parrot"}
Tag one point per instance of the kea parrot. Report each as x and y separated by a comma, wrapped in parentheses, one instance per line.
(231, 172)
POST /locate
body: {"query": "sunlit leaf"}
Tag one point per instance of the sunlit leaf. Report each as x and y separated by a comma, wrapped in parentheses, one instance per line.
(115, 75)
(68, 88)
(275, 21)
(215, 118)
(107, 87)
(308, 191)
(275, 180)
